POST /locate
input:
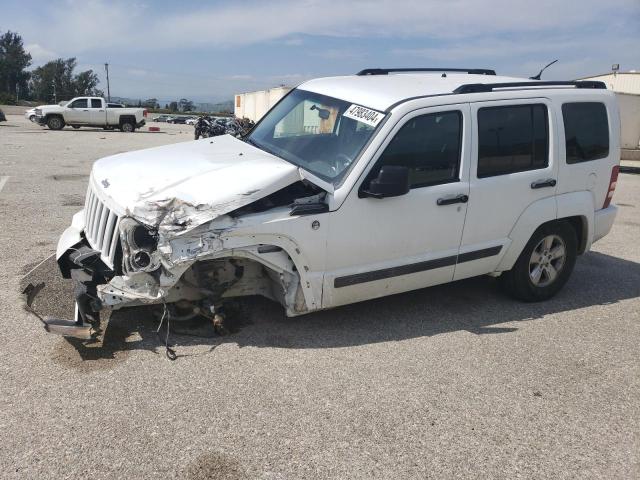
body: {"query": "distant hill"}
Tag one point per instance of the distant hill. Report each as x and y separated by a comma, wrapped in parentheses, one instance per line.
(221, 107)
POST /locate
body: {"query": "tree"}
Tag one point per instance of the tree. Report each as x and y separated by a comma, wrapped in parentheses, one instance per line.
(151, 103)
(56, 81)
(173, 106)
(185, 105)
(85, 83)
(13, 62)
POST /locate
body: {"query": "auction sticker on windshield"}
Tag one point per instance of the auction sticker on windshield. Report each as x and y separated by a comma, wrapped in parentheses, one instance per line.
(364, 115)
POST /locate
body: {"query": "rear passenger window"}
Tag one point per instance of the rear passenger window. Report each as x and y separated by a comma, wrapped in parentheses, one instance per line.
(96, 103)
(586, 131)
(512, 139)
(430, 146)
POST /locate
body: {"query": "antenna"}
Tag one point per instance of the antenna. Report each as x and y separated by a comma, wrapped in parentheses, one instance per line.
(537, 77)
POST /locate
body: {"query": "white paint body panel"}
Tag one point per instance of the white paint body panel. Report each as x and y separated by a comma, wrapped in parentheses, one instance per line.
(219, 174)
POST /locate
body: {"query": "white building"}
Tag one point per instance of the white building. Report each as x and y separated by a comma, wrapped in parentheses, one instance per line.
(254, 105)
(627, 88)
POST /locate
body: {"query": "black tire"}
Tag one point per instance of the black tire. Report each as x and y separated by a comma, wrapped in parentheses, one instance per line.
(32, 118)
(127, 126)
(76, 126)
(539, 273)
(55, 123)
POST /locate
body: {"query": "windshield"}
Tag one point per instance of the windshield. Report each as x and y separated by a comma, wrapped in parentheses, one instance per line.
(316, 132)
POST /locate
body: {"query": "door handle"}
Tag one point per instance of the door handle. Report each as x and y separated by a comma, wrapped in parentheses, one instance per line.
(451, 200)
(547, 182)
(85, 110)
(101, 110)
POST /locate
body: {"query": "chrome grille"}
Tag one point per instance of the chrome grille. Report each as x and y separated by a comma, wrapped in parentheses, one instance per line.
(101, 227)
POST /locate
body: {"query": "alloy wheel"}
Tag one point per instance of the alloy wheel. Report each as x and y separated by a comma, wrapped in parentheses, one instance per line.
(547, 260)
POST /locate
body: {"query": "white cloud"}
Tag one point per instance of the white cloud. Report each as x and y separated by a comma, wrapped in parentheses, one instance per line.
(39, 54)
(129, 24)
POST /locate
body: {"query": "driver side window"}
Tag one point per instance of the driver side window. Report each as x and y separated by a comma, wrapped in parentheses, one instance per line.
(80, 103)
(430, 146)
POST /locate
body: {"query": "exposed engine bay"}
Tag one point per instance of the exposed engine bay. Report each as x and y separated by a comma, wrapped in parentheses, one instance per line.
(191, 271)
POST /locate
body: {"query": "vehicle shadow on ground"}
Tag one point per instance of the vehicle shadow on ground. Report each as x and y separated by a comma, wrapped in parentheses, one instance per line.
(475, 305)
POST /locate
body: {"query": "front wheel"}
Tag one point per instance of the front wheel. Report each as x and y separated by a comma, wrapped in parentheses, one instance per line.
(55, 123)
(545, 264)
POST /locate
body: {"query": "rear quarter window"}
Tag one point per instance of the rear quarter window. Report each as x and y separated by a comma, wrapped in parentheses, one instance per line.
(586, 131)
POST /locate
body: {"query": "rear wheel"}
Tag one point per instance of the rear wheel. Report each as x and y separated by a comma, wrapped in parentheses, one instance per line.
(55, 123)
(127, 126)
(545, 264)
(76, 126)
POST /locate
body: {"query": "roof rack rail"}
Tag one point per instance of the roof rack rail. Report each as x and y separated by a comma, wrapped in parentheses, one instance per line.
(490, 87)
(386, 71)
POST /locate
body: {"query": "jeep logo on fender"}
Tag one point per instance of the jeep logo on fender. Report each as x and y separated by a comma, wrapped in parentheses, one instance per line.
(364, 115)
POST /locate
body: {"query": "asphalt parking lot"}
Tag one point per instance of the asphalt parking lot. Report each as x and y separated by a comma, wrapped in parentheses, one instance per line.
(456, 381)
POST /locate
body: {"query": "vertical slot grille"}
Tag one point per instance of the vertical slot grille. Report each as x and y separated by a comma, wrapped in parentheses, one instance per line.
(101, 227)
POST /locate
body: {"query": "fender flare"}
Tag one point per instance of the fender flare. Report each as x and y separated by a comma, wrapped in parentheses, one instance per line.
(567, 205)
(537, 213)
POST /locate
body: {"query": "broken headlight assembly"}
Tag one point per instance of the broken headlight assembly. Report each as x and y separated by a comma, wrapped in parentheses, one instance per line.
(139, 247)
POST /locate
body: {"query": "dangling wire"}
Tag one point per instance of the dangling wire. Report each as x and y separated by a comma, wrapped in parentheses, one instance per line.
(170, 352)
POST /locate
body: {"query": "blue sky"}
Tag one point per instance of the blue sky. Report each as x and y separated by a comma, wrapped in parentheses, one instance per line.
(207, 51)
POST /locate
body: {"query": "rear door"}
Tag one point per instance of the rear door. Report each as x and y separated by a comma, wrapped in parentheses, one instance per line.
(514, 164)
(97, 111)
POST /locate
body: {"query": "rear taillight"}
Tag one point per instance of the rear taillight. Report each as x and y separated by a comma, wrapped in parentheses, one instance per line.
(612, 185)
(144, 112)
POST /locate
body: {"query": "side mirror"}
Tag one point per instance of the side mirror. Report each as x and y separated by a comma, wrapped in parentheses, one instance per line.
(392, 181)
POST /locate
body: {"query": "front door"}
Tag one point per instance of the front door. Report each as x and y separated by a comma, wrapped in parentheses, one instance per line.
(513, 165)
(377, 247)
(77, 112)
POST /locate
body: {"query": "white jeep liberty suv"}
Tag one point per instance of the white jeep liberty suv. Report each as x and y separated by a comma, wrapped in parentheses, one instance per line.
(353, 188)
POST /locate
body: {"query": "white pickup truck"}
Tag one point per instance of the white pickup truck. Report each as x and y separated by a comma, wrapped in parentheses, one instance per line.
(90, 112)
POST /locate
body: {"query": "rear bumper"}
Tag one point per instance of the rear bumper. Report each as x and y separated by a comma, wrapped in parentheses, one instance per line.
(603, 221)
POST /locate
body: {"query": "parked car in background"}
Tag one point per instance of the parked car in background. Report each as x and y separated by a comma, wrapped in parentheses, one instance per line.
(161, 118)
(178, 119)
(30, 114)
(191, 120)
(90, 112)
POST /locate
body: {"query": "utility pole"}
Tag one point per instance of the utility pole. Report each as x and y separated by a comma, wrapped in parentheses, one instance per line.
(106, 67)
(55, 97)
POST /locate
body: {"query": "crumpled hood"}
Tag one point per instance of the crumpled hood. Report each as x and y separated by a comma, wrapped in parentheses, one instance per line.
(175, 188)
